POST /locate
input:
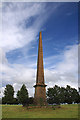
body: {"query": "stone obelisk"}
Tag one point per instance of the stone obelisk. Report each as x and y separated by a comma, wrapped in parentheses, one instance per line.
(40, 87)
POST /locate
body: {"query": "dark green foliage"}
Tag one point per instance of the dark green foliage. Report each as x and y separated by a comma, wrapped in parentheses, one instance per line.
(63, 94)
(8, 94)
(22, 96)
(0, 100)
(31, 100)
(57, 95)
(3, 100)
(54, 95)
(71, 95)
(15, 101)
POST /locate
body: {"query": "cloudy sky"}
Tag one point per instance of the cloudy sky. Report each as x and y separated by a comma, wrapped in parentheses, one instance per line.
(21, 24)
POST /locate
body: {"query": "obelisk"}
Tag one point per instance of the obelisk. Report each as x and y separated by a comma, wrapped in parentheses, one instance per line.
(40, 87)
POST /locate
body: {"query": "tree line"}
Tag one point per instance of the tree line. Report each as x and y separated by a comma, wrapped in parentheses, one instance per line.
(22, 96)
(55, 95)
(60, 95)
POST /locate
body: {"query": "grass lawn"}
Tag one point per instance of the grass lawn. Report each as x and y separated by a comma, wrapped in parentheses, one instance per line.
(17, 111)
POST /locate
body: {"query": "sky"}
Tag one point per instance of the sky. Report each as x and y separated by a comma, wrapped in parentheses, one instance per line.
(21, 24)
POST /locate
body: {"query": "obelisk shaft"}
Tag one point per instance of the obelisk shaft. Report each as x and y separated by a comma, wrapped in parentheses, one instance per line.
(40, 87)
(40, 68)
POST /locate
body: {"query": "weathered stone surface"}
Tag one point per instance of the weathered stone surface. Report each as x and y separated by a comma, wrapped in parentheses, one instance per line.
(40, 87)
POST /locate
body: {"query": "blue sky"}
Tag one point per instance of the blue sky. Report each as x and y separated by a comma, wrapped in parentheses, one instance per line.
(22, 23)
(59, 30)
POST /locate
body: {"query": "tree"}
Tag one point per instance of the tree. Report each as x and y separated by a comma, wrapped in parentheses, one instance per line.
(78, 101)
(59, 95)
(75, 95)
(62, 93)
(0, 100)
(71, 95)
(50, 94)
(31, 100)
(8, 94)
(3, 100)
(54, 95)
(22, 96)
(15, 101)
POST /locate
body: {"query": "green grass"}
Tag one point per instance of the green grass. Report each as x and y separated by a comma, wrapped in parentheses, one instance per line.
(17, 111)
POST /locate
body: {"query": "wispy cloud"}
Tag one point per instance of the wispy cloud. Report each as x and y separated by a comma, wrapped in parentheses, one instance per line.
(21, 25)
(65, 72)
(22, 22)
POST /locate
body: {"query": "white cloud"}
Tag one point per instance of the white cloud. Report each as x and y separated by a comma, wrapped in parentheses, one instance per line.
(70, 60)
(65, 73)
(2, 57)
(16, 35)
(16, 75)
(2, 91)
(22, 22)
(15, 18)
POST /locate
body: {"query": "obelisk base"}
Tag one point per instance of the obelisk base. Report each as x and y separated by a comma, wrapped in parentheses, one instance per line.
(40, 95)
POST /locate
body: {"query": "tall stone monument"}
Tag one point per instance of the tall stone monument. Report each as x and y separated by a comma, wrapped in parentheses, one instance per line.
(40, 87)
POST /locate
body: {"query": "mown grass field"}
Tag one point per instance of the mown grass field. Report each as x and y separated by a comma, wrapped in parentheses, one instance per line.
(17, 111)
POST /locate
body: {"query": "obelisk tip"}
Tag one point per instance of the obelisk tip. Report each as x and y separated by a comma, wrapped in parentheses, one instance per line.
(40, 32)
(40, 35)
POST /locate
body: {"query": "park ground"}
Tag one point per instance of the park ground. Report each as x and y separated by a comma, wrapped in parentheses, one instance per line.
(18, 111)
